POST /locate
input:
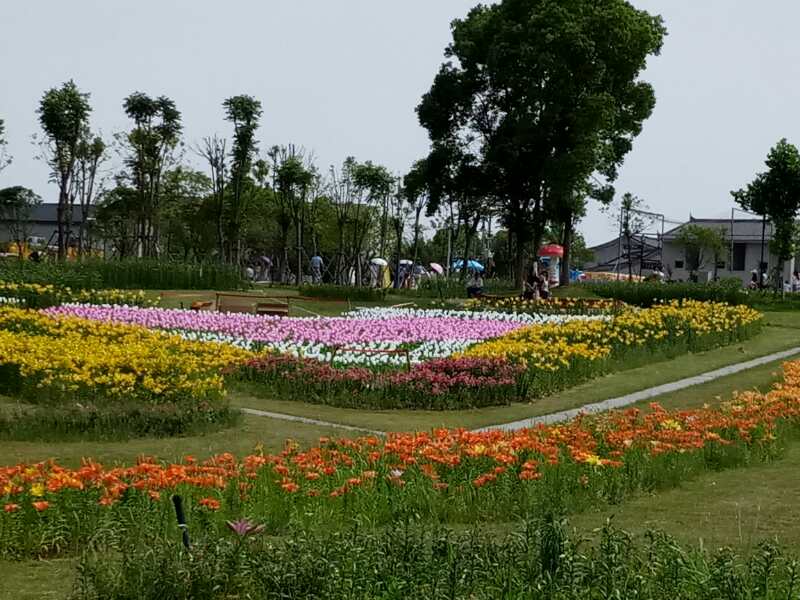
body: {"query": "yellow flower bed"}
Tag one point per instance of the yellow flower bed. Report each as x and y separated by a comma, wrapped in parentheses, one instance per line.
(553, 347)
(36, 295)
(71, 358)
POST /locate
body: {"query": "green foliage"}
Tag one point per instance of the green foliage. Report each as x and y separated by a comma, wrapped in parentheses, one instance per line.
(700, 245)
(150, 146)
(87, 422)
(341, 292)
(244, 112)
(545, 93)
(775, 193)
(124, 274)
(536, 560)
(646, 294)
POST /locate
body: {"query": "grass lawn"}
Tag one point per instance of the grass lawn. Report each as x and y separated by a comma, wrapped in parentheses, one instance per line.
(241, 440)
(738, 508)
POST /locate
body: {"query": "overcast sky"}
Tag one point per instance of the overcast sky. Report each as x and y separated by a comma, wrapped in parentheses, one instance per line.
(342, 77)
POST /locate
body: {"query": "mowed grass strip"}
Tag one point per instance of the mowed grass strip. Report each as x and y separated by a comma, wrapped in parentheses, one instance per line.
(738, 508)
(253, 432)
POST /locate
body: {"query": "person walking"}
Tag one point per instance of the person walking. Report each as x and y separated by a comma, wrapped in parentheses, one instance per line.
(317, 265)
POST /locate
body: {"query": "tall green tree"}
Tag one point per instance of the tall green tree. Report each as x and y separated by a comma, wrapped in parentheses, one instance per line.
(374, 184)
(5, 158)
(545, 93)
(293, 180)
(775, 194)
(244, 112)
(151, 147)
(64, 118)
(16, 208)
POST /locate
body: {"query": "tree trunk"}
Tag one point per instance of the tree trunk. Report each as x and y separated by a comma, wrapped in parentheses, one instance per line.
(60, 214)
(566, 243)
(299, 234)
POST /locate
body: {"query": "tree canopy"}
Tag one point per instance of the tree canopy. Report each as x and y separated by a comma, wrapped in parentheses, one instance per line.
(775, 194)
(543, 94)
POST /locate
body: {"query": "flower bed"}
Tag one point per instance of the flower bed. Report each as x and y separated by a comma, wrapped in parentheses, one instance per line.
(348, 340)
(556, 357)
(35, 295)
(108, 369)
(444, 476)
(574, 306)
(441, 384)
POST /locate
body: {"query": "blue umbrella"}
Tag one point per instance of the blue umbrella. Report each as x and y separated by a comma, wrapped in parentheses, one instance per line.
(472, 265)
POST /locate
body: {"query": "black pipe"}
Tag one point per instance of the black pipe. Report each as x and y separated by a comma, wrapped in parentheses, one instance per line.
(178, 502)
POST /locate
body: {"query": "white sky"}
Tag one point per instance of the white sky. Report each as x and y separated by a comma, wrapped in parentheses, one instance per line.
(342, 77)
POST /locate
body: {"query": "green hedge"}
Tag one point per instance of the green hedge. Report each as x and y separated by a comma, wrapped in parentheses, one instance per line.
(646, 294)
(148, 274)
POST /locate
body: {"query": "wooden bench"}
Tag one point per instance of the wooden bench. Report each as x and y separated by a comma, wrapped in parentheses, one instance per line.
(246, 303)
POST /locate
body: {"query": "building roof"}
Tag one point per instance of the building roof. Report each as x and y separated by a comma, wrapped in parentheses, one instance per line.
(744, 231)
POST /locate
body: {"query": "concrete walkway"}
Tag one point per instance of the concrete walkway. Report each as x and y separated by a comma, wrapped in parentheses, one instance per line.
(307, 421)
(566, 415)
(653, 392)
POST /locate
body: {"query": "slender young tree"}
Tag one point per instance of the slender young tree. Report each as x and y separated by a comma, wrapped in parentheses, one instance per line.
(86, 187)
(151, 150)
(244, 112)
(213, 150)
(64, 118)
(416, 194)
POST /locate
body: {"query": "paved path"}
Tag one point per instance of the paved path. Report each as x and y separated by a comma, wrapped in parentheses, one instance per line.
(647, 394)
(566, 415)
(307, 421)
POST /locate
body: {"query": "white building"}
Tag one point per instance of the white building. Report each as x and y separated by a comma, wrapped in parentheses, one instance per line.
(649, 252)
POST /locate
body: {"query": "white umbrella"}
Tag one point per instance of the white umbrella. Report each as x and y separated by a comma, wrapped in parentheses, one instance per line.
(405, 261)
(380, 262)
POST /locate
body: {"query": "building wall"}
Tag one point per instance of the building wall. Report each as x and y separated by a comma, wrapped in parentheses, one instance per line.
(673, 253)
(42, 230)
